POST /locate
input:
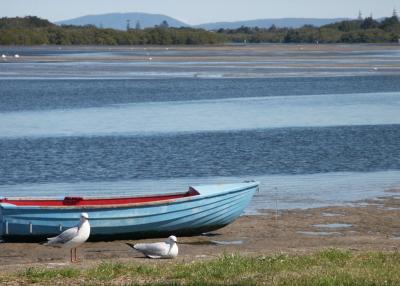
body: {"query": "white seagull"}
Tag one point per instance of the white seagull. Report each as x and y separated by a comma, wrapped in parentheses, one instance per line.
(72, 237)
(167, 249)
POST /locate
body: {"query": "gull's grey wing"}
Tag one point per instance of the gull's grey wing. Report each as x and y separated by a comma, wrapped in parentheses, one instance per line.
(154, 250)
(64, 237)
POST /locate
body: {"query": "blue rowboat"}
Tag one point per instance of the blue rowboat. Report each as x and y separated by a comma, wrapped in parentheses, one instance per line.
(200, 209)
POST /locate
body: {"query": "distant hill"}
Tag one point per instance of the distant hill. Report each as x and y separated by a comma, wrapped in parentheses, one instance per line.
(119, 20)
(266, 23)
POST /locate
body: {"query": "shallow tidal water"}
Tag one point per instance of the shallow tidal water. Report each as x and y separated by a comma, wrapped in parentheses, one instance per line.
(312, 139)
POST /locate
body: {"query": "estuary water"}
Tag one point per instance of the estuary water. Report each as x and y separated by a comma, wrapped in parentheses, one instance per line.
(312, 135)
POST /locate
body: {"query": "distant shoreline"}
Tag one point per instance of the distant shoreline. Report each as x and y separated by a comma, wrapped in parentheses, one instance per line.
(32, 30)
(219, 45)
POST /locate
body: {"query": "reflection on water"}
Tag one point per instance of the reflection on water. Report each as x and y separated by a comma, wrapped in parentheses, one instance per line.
(333, 225)
(207, 115)
(227, 242)
(325, 214)
(319, 233)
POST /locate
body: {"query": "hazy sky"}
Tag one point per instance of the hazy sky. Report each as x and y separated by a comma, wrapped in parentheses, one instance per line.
(200, 11)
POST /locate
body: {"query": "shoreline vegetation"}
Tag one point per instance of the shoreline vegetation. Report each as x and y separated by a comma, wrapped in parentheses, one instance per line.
(32, 30)
(326, 267)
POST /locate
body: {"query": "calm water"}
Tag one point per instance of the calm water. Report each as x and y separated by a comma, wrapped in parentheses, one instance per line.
(49, 94)
(311, 140)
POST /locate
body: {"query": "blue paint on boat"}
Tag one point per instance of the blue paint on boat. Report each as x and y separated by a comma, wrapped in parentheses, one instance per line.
(214, 207)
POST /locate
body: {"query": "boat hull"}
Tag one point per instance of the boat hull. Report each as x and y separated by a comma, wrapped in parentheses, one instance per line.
(215, 207)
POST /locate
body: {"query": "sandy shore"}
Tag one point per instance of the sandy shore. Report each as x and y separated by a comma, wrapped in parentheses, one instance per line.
(370, 225)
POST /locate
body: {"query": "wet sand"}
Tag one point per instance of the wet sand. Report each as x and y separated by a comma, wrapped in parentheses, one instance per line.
(369, 225)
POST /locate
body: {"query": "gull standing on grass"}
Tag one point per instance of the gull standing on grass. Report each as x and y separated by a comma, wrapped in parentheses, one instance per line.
(72, 237)
(167, 249)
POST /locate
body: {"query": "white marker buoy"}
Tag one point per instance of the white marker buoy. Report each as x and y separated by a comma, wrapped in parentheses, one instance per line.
(16, 56)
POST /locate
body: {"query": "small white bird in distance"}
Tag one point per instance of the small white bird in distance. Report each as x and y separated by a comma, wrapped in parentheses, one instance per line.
(167, 249)
(72, 237)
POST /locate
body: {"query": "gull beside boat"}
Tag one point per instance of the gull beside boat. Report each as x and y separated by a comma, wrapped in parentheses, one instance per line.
(156, 250)
(197, 210)
(73, 237)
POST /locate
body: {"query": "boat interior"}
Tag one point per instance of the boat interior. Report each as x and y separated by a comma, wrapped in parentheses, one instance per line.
(92, 201)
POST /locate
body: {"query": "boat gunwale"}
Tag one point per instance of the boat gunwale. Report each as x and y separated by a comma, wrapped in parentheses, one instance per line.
(93, 197)
(141, 204)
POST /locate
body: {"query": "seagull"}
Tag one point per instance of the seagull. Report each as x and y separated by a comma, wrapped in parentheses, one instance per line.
(167, 249)
(72, 237)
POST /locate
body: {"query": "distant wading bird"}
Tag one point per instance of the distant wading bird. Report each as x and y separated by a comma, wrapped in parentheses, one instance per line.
(72, 237)
(167, 249)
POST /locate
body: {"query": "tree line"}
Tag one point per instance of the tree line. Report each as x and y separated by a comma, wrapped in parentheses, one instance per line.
(365, 30)
(32, 30)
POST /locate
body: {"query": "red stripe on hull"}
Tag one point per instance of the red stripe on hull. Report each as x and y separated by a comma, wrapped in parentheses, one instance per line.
(79, 201)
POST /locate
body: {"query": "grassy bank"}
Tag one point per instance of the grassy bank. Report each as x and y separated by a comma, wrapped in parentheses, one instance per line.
(328, 267)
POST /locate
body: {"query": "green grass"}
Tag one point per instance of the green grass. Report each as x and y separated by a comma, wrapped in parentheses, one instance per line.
(328, 267)
(35, 274)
